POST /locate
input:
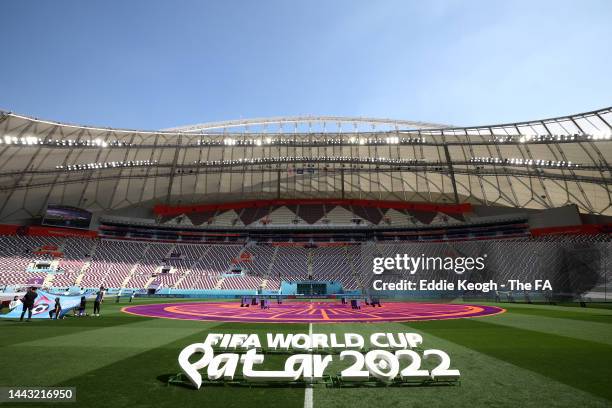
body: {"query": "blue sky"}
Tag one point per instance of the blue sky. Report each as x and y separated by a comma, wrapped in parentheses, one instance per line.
(156, 64)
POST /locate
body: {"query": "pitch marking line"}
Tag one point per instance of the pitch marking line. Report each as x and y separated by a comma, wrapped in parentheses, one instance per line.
(308, 391)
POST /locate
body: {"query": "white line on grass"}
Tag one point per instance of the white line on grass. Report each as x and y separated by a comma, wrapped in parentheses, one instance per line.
(308, 390)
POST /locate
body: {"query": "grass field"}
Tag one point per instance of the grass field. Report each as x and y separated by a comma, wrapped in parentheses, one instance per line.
(530, 356)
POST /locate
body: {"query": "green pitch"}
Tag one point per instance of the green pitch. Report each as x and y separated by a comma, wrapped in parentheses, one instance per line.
(531, 356)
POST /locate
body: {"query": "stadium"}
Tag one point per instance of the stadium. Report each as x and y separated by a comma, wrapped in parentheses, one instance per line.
(499, 236)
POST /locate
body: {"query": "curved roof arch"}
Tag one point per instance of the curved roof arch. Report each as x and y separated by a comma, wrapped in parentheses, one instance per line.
(309, 120)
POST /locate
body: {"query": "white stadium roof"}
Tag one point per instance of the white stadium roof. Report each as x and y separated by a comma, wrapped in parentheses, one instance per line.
(534, 164)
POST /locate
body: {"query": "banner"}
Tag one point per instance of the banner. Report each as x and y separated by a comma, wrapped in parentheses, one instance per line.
(43, 304)
(35, 281)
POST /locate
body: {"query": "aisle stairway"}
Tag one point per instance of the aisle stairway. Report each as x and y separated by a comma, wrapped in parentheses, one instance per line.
(87, 264)
(264, 283)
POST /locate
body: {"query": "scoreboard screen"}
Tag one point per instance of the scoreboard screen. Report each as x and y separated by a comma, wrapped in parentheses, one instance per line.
(68, 217)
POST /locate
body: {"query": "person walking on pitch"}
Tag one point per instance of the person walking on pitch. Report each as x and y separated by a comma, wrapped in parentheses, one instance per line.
(98, 301)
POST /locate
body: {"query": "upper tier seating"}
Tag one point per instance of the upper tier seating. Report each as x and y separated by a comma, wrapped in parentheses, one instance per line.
(333, 214)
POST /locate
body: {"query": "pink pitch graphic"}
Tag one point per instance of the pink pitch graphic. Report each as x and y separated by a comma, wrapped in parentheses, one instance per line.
(312, 312)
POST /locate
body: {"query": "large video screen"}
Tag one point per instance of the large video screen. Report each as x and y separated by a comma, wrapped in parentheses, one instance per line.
(69, 217)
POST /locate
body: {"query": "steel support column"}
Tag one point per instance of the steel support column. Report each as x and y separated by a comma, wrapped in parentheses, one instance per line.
(451, 173)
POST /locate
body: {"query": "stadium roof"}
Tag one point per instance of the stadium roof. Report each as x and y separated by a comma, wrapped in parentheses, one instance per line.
(534, 164)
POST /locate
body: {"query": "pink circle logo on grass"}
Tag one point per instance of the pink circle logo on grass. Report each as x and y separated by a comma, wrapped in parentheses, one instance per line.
(312, 312)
